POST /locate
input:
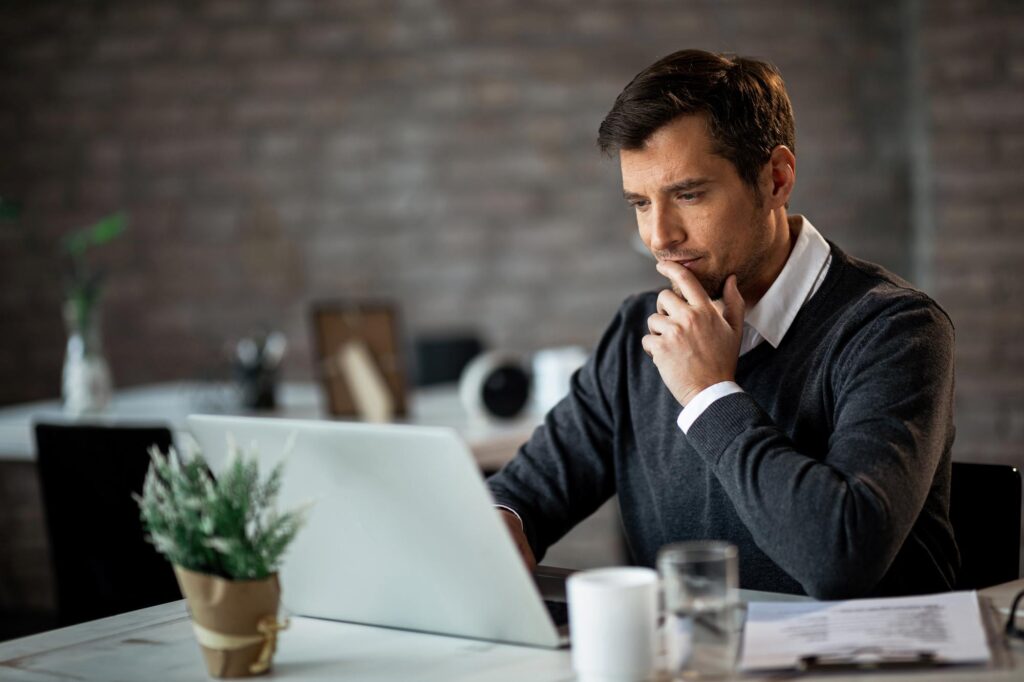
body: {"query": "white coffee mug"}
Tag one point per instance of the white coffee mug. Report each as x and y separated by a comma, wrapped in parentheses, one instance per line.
(613, 616)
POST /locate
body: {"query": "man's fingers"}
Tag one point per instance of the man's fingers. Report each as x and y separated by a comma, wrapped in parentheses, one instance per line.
(670, 305)
(658, 324)
(647, 343)
(685, 281)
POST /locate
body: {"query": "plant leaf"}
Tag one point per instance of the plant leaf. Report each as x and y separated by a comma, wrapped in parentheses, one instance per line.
(226, 526)
(78, 242)
(107, 228)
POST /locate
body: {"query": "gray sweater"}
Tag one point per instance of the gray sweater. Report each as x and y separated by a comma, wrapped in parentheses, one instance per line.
(830, 472)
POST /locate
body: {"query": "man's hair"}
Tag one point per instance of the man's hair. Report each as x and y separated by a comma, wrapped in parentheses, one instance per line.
(747, 109)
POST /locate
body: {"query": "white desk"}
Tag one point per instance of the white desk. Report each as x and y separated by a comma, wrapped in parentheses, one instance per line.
(493, 443)
(157, 644)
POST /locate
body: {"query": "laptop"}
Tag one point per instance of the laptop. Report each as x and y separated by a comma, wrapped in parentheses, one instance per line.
(402, 531)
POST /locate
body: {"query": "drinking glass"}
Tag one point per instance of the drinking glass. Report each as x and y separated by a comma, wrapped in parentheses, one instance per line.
(703, 614)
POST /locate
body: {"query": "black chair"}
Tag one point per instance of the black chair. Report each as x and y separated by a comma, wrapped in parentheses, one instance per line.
(985, 509)
(101, 560)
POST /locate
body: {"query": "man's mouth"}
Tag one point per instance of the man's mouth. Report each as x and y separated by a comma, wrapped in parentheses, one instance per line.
(686, 262)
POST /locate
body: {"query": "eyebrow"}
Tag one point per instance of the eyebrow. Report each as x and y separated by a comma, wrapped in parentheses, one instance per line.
(681, 186)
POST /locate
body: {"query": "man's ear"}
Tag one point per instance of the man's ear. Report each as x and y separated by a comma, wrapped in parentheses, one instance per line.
(781, 177)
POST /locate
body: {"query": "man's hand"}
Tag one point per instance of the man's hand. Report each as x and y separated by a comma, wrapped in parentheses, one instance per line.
(515, 527)
(693, 343)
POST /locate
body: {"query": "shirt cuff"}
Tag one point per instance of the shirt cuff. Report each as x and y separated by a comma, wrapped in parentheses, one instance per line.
(702, 401)
(514, 513)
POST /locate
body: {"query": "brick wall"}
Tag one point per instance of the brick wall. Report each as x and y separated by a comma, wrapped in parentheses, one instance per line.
(438, 153)
(974, 78)
(276, 152)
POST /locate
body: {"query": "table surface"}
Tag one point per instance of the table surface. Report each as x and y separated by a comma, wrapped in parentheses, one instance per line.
(492, 442)
(157, 644)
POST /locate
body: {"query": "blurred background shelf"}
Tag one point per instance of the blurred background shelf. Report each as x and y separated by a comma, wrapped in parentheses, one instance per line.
(492, 442)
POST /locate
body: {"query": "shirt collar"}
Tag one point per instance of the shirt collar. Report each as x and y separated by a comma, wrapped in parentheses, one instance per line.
(772, 316)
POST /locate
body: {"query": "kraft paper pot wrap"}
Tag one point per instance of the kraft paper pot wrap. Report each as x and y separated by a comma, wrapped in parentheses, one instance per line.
(235, 621)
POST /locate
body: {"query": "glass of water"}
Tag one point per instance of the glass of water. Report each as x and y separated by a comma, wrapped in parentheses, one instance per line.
(703, 616)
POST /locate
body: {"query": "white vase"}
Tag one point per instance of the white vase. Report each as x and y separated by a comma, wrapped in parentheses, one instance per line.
(86, 385)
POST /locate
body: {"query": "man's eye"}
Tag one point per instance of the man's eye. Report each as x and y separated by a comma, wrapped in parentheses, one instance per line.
(639, 204)
(688, 196)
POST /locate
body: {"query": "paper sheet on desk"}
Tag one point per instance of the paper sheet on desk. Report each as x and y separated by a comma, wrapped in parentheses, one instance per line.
(779, 634)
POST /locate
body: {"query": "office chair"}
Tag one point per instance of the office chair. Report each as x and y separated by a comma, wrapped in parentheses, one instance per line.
(101, 560)
(984, 508)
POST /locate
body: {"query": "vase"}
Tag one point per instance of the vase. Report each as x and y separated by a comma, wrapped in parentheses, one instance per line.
(234, 621)
(86, 386)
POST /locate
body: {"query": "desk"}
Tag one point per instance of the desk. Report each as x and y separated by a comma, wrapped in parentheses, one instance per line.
(493, 443)
(157, 644)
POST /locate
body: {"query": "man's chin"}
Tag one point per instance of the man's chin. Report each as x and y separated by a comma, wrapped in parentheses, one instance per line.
(714, 288)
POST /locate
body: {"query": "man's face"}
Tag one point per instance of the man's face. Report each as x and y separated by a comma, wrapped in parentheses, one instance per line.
(693, 208)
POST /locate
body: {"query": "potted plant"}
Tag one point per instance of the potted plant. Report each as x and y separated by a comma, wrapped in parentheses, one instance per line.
(226, 540)
(86, 385)
(86, 382)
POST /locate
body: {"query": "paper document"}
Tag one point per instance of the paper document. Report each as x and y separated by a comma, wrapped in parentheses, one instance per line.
(943, 628)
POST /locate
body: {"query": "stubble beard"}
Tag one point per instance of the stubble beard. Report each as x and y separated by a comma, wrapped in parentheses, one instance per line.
(713, 283)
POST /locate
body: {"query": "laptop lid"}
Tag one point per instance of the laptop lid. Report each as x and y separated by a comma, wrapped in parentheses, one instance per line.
(402, 532)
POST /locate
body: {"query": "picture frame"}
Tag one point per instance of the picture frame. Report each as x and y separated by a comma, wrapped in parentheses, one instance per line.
(373, 325)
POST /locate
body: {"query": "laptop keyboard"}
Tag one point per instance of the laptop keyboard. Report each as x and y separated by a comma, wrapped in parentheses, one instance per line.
(559, 612)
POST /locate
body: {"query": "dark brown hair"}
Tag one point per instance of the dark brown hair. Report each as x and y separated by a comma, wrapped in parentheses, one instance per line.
(748, 111)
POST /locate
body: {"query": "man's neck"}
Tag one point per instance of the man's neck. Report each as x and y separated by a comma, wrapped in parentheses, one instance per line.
(784, 236)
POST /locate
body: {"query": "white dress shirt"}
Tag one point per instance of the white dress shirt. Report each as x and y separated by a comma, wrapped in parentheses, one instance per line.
(771, 317)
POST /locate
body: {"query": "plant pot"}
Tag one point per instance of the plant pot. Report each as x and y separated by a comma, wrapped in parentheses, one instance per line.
(235, 621)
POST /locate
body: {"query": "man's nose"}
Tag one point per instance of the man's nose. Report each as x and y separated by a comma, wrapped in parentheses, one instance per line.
(667, 230)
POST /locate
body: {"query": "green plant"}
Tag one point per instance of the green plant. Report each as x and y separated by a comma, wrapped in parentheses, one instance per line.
(226, 526)
(85, 283)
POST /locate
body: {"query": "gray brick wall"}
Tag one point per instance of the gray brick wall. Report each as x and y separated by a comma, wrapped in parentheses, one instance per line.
(974, 77)
(275, 152)
(442, 154)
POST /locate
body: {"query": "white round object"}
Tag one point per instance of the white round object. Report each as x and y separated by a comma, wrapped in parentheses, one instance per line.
(495, 385)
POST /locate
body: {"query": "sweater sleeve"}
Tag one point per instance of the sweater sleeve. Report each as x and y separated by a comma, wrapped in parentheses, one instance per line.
(565, 471)
(836, 522)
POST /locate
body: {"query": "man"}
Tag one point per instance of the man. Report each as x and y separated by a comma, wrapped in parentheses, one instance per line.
(781, 395)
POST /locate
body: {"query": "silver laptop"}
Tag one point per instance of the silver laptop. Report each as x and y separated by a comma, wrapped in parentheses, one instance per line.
(402, 531)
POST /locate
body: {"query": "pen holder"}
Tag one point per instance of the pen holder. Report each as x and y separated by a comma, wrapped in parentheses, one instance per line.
(257, 386)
